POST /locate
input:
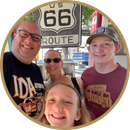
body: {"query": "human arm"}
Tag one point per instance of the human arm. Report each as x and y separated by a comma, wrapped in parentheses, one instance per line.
(80, 83)
(6, 68)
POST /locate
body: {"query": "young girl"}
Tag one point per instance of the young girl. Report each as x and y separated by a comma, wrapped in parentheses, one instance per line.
(63, 107)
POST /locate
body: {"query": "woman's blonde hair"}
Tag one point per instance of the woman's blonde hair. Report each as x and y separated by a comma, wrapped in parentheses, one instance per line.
(85, 115)
(54, 51)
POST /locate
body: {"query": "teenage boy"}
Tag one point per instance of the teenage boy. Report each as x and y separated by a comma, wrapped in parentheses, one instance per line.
(104, 81)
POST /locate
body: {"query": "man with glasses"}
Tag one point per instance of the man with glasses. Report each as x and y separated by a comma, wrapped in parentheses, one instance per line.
(23, 78)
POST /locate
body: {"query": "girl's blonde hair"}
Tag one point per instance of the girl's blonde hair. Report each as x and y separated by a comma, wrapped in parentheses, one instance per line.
(85, 115)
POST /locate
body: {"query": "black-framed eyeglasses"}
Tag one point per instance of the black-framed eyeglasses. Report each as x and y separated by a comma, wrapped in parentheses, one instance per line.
(55, 60)
(25, 34)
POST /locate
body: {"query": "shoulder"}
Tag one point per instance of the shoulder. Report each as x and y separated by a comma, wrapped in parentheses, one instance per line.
(36, 69)
(7, 55)
(88, 70)
(121, 69)
(76, 81)
(8, 65)
(79, 79)
(35, 66)
(46, 85)
(8, 59)
(80, 82)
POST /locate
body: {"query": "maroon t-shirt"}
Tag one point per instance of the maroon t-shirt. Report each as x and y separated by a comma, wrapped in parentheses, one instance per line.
(102, 90)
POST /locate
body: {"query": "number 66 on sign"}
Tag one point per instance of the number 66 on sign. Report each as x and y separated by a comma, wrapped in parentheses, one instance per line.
(57, 21)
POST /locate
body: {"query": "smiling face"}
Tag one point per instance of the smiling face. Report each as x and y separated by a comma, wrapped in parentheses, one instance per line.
(53, 68)
(103, 50)
(61, 108)
(25, 49)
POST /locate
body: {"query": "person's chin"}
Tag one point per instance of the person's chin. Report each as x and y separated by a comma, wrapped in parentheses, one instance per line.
(61, 125)
(57, 125)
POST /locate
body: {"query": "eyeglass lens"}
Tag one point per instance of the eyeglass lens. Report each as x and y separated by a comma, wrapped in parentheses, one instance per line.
(25, 34)
(55, 60)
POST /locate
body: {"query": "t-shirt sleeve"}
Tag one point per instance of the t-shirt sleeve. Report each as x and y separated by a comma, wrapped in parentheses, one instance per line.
(6, 68)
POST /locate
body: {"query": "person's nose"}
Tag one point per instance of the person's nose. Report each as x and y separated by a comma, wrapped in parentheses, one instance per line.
(52, 63)
(29, 39)
(58, 107)
(99, 48)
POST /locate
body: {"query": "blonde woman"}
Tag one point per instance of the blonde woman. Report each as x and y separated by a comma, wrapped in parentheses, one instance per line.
(53, 64)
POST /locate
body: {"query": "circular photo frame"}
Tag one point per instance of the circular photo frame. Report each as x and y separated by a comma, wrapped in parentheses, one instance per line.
(118, 29)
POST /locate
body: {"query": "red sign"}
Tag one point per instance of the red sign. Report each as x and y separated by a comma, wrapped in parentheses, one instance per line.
(96, 20)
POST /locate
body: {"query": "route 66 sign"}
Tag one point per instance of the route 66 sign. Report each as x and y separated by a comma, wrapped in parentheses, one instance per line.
(60, 24)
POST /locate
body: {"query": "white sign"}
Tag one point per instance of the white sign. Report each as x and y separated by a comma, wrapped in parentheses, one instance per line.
(94, 20)
(57, 17)
(60, 40)
(60, 24)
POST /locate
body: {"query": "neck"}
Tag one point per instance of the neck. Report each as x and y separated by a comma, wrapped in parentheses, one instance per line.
(55, 78)
(23, 60)
(105, 68)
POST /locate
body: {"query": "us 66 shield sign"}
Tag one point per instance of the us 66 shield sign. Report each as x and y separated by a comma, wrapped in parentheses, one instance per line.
(60, 24)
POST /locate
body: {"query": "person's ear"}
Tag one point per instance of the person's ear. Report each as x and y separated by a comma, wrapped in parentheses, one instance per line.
(118, 47)
(44, 66)
(78, 115)
(40, 43)
(61, 64)
(88, 48)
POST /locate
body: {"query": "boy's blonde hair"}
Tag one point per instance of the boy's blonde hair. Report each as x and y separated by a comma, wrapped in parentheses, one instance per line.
(85, 115)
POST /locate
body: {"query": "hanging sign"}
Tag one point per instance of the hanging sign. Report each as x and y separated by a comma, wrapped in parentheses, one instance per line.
(60, 24)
